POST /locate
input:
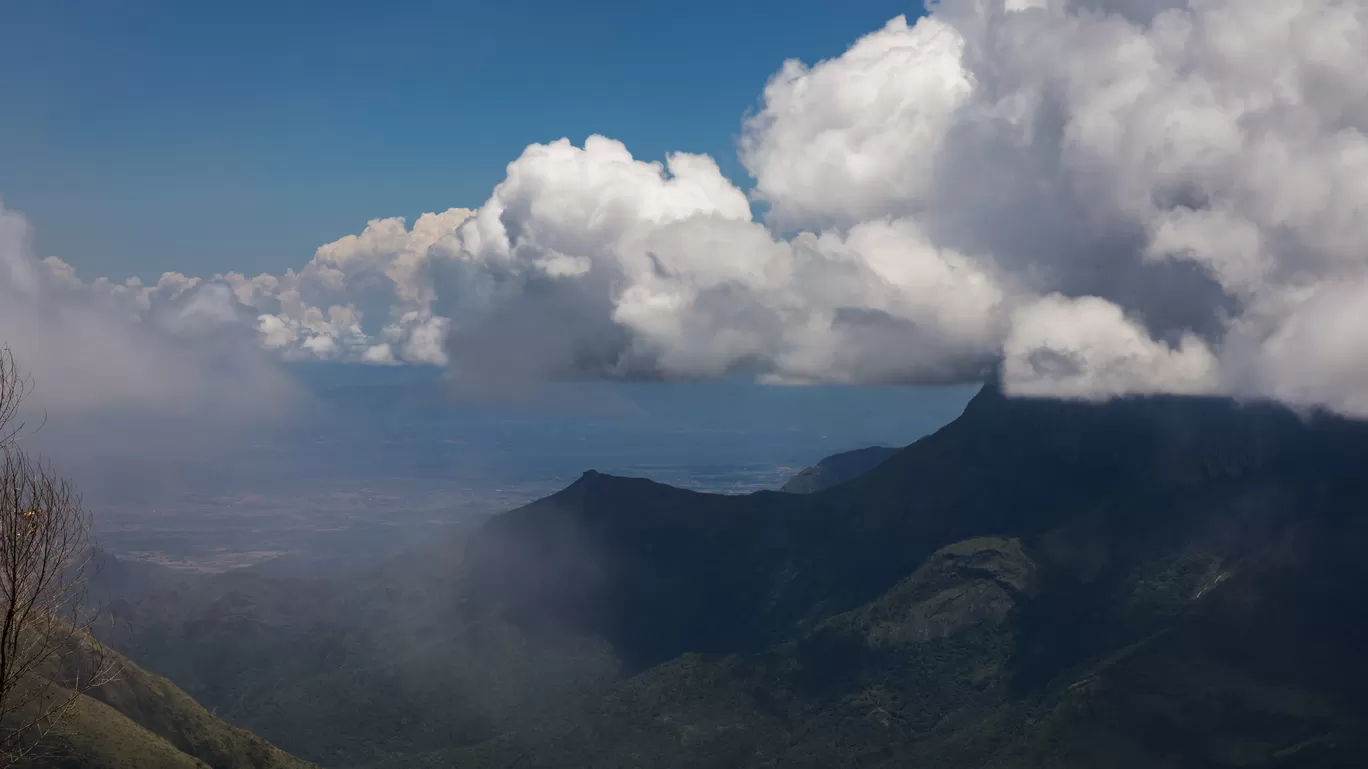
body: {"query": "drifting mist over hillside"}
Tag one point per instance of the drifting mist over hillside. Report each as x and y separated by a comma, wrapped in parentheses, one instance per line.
(985, 389)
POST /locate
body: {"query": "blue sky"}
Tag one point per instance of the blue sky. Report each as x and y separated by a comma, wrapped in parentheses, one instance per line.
(141, 137)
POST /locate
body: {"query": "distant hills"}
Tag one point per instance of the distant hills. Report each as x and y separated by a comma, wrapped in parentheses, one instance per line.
(837, 469)
(1150, 582)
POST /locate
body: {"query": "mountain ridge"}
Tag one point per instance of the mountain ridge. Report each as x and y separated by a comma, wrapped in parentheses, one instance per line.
(1151, 529)
(837, 469)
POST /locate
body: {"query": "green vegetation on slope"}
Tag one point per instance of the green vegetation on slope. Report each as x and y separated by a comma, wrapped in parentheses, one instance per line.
(97, 736)
(139, 719)
(1164, 582)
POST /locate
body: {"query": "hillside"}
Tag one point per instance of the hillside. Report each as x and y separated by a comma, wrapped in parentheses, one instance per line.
(837, 469)
(1149, 582)
(139, 719)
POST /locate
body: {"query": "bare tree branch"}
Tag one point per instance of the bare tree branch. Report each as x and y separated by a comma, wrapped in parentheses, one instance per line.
(47, 657)
(14, 387)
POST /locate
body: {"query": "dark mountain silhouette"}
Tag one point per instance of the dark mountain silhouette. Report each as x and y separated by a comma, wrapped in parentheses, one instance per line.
(837, 469)
(1156, 581)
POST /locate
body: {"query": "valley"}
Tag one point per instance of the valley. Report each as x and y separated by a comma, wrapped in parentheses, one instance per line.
(1147, 582)
(963, 384)
(391, 458)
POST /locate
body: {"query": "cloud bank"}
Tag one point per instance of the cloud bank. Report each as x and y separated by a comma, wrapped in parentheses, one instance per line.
(1097, 197)
(183, 350)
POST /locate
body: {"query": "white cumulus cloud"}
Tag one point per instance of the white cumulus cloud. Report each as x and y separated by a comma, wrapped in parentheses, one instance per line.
(182, 349)
(1097, 196)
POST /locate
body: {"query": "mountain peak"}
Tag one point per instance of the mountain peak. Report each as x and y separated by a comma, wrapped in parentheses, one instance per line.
(1163, 428)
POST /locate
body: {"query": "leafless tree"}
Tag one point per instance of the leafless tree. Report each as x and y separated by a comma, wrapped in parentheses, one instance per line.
(47, 658)
(14, 386)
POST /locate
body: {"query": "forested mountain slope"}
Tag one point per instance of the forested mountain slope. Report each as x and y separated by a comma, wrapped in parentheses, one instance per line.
(1148, 582)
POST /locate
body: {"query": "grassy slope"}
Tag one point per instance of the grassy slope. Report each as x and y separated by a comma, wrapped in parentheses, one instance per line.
(139, 719)
(98, 737)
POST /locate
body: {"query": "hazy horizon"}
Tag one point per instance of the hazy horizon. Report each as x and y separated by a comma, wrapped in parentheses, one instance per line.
(393, 452)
